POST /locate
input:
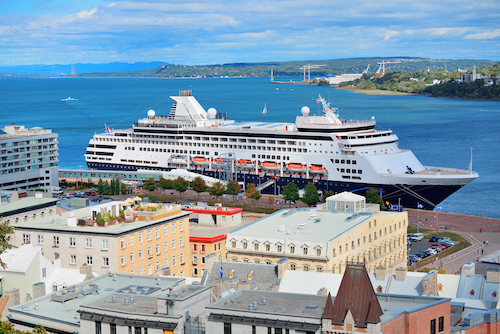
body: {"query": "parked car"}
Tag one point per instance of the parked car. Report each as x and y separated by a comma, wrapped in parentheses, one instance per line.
(421, 255)
(416, 236)
(443, 239)
(408, 242)
(434, 238)
(438, 245)
(89, 193)
(437, 248)
(431, 251)
(413, 258)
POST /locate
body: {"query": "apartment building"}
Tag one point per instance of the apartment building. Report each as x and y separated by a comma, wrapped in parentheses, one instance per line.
(325, 238)
(128, 237)
(28, 158)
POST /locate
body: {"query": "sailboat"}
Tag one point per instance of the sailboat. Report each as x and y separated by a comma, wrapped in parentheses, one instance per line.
(264, 111)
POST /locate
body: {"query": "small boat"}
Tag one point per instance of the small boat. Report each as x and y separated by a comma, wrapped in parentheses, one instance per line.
(268, 165)
(264, 111)
(69, 98)
(201, 161)
(296, 168)
(245, 164)
(317, 169)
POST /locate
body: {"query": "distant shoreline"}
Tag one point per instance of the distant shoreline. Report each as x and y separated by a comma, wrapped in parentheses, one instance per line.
(376, 91)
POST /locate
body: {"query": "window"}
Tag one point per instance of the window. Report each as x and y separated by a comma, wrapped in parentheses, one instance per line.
(56, 240)
(105, 261)
(173, 227)
(319, 269)
(72, 242)
(292, 249)
(157, 249)
(256, 246)
(181, 226)
(105, 244)
(268, 248)
(181, 241)
(26, 238)
(140, 254)
(149, 235)
(203, 248)
(165, 246)
(122, 259)
(88, 243)
(233, 244)
(89, 260)
(195, 260)
(98, 329)
(174, 260)
(182, 258)
(122, 243)
(227, 328)
(306, 268)
(165, 229)
(131, 257)
(279, 248)
(112, 328)
(318, 251)
(245, 245)
(173, 243)
(433, 326)
(157, 232)
(165, 262)
(72, 259)
(292, 266)
(441, 324)
(44, 272)
(150, 251)
(131, 240)
(140, 237)
(150, 269)
(40, 238)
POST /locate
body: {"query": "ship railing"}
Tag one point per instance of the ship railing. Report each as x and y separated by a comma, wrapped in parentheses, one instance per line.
(172, 125)
(345, 123)
(447, 170)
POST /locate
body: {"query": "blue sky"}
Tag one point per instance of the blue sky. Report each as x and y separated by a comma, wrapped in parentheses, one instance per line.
(221, 31)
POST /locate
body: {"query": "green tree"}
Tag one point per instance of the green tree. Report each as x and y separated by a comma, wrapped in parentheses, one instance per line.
(233, 188)
(5, 230)
(180, 185)
(311, 196)
(112, 187)
(256, 195)
(117, 186)
(372, 196)
(327, 194)
(165, 184)
(105, 188)
(149, 185)
(100, 186)
(250, 190)
(217, 189)
(290, 193)
(199, 185)
(123, 189)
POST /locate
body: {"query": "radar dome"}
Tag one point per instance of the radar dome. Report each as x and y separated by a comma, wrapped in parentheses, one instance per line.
(212, 112)
(151, 113)
(305, 111)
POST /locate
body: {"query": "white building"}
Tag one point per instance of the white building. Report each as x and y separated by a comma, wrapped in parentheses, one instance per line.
(29, 158)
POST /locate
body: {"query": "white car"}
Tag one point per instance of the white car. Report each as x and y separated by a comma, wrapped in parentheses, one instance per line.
(431, 251)
(416, 236)
(444, 239)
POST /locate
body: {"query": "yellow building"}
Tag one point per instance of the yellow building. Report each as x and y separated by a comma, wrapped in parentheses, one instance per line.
(325, 238)
(149, 239)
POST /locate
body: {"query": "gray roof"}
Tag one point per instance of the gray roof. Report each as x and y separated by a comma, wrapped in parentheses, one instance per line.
(263, 275)
(26, 203)
(330, 226)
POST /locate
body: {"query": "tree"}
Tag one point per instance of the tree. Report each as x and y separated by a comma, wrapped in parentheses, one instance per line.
(150, 185)
(123, 189)
(217, 189)
(5, 230)
(165, 184)
(233, 188)
(7, 328)
(327, 194)
(256, 195)
(199, 185)
(290, 193)
(117, 186)
(180, 185)
(105, 188)
(311, 196)
(372, 196)
(271, 200)
(112, 187)
(100, 186)
(250, 190)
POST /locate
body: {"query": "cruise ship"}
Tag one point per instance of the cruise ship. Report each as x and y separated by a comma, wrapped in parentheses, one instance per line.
(336, 154)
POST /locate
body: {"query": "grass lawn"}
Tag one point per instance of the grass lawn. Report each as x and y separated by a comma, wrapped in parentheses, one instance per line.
(462, 244)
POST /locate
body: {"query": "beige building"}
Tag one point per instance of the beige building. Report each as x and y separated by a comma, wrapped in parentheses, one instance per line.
(133, 238)
(325, 238)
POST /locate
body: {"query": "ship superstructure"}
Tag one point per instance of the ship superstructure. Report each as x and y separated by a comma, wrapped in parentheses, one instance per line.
(335, 154)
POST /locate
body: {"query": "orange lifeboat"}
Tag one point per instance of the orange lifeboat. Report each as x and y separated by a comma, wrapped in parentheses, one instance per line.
(296, 168)
(317, 169)
(200, 161)
(268, 165)
(245, 164)
(217, 161)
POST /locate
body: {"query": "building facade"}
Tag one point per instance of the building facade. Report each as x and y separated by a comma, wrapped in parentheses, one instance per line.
(324, 240)
(15, 210)
(29, 158)
(143, 242)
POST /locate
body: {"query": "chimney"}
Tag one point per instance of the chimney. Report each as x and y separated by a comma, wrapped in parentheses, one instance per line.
(87, 270)
(493, 274)
(469, 268)
(380, 273)
(14, 297)
(38, 290)
(429, 284)
(323, 292)
(209, 260)
(400, 274)
(281, 266)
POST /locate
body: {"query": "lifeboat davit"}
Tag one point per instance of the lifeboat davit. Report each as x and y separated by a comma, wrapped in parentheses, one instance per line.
(317, 169)
(200, 161)
(217, 161)
(245, 164)
(268, 165)
(296, 168)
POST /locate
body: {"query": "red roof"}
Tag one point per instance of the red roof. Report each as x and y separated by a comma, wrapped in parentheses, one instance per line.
(219, 211)
(208, 240)
(355, 294)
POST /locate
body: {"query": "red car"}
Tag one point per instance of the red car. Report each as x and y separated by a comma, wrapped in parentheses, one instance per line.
(89, 193)
(438, 245)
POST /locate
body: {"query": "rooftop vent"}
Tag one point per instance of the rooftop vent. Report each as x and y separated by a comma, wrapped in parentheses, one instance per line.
(302, 226)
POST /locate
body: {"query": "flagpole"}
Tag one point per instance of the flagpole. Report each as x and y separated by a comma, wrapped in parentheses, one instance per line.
(418, 217)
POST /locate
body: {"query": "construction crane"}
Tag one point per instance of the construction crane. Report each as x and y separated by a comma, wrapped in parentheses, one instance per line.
(308, 68)
(382, 65)
(367, 68)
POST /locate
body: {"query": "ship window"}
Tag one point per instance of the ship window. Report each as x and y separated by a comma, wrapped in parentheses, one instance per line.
(354, 162)
(342, 161)
(354, 171)
(336, 161)
(348, 162)
(342, 170)
(359, 171)
(347, 170)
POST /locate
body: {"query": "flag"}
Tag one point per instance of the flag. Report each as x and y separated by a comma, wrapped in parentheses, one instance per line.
(108, 128)
(221, 269)
(420, 206)
(440, 208)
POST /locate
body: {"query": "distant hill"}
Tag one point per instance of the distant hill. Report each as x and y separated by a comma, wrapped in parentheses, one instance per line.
(63, 70)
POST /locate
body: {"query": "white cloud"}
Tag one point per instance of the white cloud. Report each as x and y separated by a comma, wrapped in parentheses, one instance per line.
(492, 34)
